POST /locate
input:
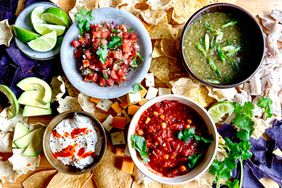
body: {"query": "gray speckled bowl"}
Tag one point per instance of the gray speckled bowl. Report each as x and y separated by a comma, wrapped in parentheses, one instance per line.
(134, 76)
(24, 21)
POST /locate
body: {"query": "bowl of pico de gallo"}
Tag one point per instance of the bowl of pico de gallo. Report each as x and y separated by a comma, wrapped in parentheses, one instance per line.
(172, 139)
(106, 58)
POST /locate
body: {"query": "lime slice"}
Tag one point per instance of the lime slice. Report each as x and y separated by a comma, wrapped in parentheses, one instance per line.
(35, 15)
(219, 110)
(24, 35)
(56, 16)
(47, 28)
(44, 43)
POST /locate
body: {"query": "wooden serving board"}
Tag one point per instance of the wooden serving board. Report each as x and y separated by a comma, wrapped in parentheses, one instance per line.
(255, 7)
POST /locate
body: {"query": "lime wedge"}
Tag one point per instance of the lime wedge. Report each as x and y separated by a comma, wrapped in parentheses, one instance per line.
(35, 16)
(47, 28)
(24, 35)
(56, 16)
(44, 43)
(220, 109)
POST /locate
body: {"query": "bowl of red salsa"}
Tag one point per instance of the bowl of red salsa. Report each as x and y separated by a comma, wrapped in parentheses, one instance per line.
(109, 59)
(172, 139)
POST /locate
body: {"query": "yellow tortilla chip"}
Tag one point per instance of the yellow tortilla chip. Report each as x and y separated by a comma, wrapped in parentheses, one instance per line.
(169, 48)
(68, 103)
(160, 4)
(72, 91)
(130, 6)
(163, 30)
(195, 91)
(183, 9)
(65, 5)
(58, 88)
(106, 175)
(267, 182)
(6, 33)
(69, 181)
(39, 179)
(153, 16)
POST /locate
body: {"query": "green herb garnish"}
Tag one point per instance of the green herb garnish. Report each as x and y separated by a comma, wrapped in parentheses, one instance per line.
(265, 103)
(187, 134)
(230, 24)
(136, 88)
(193, 159)
(115, 42)
(105, 76)
(139, 143)
(201, 49)
(103, 54)
(130, 30)
(83, 19)
(214, 67)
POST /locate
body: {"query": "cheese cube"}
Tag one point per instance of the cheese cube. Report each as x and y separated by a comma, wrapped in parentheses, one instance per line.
(116, 107)
(143, 92)
(149, 80)
(127, 165)
(152, 93)
(133, 98)
(124, 113)
(104, 105)
(119, 152)
(107, 124)
(118, 138)
(164, 91)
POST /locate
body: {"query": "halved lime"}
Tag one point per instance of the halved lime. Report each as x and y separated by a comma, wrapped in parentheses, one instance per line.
(24, 35)
(44, 43)
(56, 16)
(35, 16)
(220, 109)
(47, 28)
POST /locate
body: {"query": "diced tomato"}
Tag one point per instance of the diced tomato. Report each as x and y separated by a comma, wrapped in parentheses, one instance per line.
(82, 41)
(94, 77)
(86, 79)
(123, 28)
(105, 34)
(85, 63)
(125, 35)
(96, 34)
(125, 46)
(121, 72)
(117, 54)
(87, 54)
(110, 82)
(133, 36)
(77, 53)
(102, 81)
(75, 43)
(114, 75)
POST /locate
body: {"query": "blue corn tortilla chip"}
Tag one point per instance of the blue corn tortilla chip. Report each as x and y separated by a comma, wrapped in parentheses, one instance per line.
(7, 70)
(228, 131)
(262, 150)
(275, 133)
(249, 179)
(275, 169)
(8, 9)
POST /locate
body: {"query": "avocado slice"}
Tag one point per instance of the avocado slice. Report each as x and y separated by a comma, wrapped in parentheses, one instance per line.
(29, 111)
(25, 140)
(14, 108)
(20, 131)
(35, 147)
(30, 98)
(33, 83)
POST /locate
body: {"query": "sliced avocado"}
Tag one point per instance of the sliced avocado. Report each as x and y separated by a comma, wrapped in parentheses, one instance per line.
(29, 111)
(14, 108)
(20, 131)
(35, 147)
(25, 140)
(31, 98)
(33, 83)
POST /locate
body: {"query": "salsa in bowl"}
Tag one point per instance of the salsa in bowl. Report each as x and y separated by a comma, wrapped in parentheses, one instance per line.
(74, 142)
(109, 59)
(172, 139)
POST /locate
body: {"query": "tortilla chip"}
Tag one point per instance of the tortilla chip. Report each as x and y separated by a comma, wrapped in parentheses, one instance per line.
(23, 164)
(65, 5)
(85, 103)
(20, 7)
(130, 6)
(183, 9)
(8, 124)
(5, 142)
(6, 33)
(72, 91)
(222, 94)
(163, 30)
(68, 103)
(69, 181)
(105, 3)
(277, 152)
(267, 182)
(39, 179)
(106, 175)
(157, 52)
(153, 16)
(58, 88)
(160, 4)
(169, 48)
(7, 174)
(194, 91)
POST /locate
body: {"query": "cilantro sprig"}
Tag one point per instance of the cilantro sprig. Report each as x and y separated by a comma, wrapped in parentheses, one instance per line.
(103, 54)
(188, 134)
(136, 88)
(265, 103)
(83, 19)
(115, 42)
(139, 143)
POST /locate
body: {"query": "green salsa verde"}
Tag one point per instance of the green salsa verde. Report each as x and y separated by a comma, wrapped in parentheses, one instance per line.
(214, 47)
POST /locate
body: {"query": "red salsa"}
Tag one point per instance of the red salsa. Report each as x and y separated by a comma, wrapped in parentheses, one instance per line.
(106, 53)
(175, 136)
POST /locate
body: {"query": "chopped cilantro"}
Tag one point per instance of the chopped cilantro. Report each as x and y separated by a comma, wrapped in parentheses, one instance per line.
(103, 54)
(115, 42)
(265, 103)
(140, 56)
(187, 134)
(105, 76)
(192, 160)
(83, 18)
(115, 31)
(130, 30)
(139, 143)
(136, 88)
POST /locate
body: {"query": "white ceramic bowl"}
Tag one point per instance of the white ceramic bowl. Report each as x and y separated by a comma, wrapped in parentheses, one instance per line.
(200, 168)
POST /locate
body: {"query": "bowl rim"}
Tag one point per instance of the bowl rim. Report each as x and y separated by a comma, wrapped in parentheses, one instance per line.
(53, 124)
(191, 21)
(135, 80)
(154, 175)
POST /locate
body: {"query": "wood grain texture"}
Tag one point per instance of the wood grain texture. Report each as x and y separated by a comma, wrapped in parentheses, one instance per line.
(255, 7)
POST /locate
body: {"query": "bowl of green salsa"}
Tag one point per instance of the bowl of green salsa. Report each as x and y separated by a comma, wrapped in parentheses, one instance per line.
(222, 45)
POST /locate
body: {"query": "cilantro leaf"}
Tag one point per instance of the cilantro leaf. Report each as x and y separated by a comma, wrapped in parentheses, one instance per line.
(115, 42)
(139, 143)
(83, 19)
(265, 103)
(140, 56)
(193, 159)
(133, 62)
(130, 30)
(243, 135)
(186, 134)
(136, 88)
(234, 184)
(103, 54)
(105, 76)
